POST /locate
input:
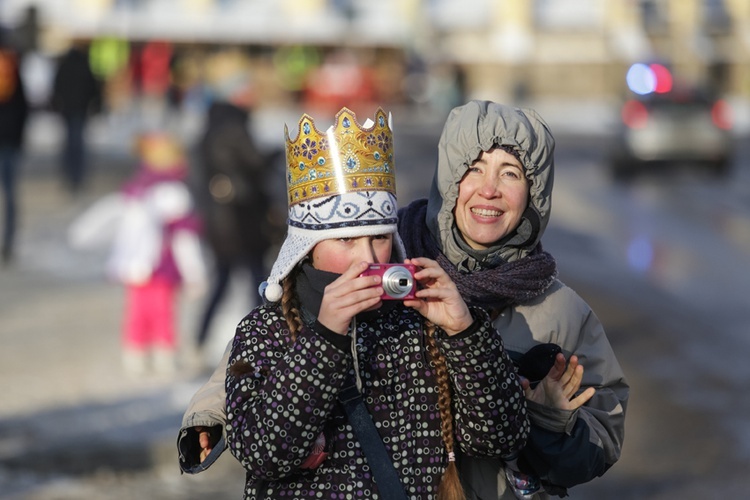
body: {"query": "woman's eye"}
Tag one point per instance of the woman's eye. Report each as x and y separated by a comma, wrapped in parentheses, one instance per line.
(515, 174)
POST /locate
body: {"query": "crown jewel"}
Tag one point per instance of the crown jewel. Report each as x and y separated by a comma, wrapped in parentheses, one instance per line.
(347, 157)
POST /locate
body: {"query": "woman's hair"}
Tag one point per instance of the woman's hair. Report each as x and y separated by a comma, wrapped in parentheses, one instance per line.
(450, 485)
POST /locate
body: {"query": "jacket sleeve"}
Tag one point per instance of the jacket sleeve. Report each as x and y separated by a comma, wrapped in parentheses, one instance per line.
(488, 401)
(567, 448)
(206, 409)
(280, 400)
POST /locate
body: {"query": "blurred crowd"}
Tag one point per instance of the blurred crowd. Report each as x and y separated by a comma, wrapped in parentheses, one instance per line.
(219, 186)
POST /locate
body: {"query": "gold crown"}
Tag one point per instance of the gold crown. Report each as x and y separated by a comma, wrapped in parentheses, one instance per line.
(348, 157)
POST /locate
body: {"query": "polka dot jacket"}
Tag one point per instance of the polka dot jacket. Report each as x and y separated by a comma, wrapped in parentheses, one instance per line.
(279, 410)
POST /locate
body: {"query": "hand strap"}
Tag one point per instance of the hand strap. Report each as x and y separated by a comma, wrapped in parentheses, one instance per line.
(386, 477)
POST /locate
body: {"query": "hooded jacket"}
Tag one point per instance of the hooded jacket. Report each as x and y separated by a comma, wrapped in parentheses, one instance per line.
(565, 448)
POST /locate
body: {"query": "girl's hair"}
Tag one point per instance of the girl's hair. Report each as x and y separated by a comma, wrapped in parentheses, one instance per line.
(450, 485)
(290, 310)
(290, 304)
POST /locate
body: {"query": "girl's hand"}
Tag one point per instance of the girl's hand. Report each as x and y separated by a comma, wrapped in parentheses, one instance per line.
(348, 296)
(438, 300)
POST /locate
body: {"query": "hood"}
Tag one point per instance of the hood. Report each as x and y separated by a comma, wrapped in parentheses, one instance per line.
(469, 130)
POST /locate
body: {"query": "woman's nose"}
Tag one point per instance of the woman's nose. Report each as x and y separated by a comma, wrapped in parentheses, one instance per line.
(490, 187)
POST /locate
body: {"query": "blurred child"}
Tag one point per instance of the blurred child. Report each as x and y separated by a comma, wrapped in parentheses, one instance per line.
(155, 249)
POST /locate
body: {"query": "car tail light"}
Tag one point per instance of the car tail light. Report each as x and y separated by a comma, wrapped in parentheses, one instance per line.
(634, 114)
(721, 114)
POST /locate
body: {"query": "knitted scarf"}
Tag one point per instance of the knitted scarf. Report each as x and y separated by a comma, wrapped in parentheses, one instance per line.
(507, 284)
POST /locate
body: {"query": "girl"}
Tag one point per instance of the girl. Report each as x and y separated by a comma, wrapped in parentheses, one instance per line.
(155, 250)
(425, 368)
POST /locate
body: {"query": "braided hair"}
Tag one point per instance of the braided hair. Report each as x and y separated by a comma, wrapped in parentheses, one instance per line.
(450, 485)
(290, 304)
(290, 310)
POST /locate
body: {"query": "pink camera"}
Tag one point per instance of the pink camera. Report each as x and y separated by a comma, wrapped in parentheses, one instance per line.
(398, 280)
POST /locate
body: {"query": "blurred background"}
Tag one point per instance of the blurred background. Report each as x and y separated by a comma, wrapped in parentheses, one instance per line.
(649, 101)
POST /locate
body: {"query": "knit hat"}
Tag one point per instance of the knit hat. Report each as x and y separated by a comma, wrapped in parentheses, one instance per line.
(341, 184)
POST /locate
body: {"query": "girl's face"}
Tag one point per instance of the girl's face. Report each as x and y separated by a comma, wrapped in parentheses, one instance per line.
(337, 255)
(492, 197)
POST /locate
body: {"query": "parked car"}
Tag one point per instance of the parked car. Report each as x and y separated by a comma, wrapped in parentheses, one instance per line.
(680, 127)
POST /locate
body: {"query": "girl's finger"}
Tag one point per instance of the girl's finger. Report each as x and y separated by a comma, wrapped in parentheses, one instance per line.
(346, 285)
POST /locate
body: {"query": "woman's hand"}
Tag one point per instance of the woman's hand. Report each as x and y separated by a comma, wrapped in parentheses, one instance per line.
(438, 300)
(558, 388)
(348, 296)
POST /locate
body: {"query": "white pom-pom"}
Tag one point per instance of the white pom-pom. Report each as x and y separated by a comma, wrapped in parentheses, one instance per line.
(273, 292)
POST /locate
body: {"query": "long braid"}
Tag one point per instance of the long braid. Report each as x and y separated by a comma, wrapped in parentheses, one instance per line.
(290, 305)
(450, 484)
(290, 309)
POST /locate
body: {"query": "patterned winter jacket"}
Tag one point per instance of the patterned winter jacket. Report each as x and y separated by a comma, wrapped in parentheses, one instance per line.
(276, 413)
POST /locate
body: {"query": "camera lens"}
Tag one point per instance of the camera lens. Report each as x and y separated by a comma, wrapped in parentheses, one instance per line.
(397, 282)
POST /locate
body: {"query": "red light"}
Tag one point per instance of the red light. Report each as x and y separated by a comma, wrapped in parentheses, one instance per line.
(634, 114)
(663, 78)
(721, 115)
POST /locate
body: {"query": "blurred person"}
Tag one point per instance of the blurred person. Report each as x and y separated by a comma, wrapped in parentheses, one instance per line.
(292, 64)
(76, 95)
(156, 250)
(331, 355)
(14, 110)
(342, 79)
(37, 72)
(155, 68)
(483, 223)
(234, 200)
(108, 58)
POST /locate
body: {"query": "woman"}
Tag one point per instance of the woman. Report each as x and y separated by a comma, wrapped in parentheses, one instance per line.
(485, 217)
(483, 223)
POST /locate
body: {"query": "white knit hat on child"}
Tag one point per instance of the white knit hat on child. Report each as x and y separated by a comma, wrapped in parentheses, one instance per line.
(341, 184)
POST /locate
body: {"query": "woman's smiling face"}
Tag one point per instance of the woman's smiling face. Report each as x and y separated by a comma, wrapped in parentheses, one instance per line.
(492, 197)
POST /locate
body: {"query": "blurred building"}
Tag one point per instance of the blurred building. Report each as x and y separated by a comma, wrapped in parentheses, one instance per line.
(500, 49)
(582, 48)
